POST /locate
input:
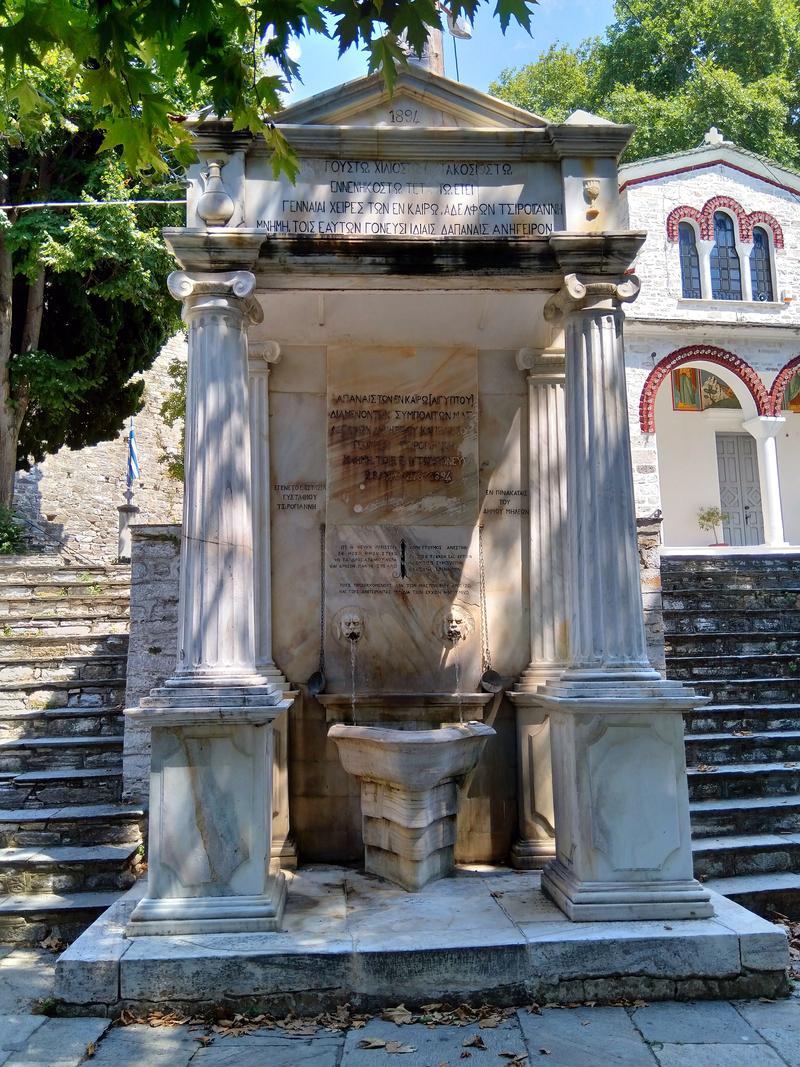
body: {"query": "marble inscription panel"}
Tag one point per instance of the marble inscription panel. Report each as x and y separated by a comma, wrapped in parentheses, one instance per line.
(411, 595)
(402, 435)
(459, 198)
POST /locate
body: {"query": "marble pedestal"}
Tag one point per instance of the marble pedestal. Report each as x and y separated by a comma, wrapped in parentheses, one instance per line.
(623, 839)
(536, 844)
(210, 812)
(409, 795)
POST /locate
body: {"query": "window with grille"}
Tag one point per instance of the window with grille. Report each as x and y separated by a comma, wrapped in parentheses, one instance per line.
(726, 274)
(690, 262)
(760, 266)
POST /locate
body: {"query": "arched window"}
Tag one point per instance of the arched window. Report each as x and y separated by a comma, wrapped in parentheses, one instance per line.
(690, 263)
(760, 266)
(726, 274)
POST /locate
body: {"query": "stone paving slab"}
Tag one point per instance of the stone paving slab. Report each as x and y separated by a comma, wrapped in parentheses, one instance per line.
(574, 1036)
(277, 1050)
(433, 1046)
(59, 1043)
(696, 1021)
(717, 1056)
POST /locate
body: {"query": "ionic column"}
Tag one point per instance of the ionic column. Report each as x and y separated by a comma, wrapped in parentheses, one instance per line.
(547, 498)
(216, 625)
(765, 429)
(262, 356)
(210, 816)
(623, 844)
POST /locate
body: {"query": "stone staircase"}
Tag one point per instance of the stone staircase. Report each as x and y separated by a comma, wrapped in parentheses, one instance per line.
(68, 846)
(732, 627)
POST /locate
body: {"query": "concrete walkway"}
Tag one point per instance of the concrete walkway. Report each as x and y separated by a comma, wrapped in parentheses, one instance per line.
(696, 1034)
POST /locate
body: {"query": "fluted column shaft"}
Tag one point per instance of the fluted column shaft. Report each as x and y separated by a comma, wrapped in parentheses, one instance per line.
(607, 635)
(216, 626)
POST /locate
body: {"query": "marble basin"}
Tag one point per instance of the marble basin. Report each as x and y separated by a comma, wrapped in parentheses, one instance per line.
(409, 794)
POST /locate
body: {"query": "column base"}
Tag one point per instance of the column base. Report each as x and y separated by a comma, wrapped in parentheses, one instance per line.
(624, 901)
(284, 853)
(532, 855)
(211, 915)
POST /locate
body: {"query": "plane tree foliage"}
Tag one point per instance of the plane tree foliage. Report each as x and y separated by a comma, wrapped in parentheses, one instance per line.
(93, 94)
(676, 68)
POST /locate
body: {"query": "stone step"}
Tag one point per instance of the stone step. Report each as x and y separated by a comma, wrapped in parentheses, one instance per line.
(67, 869)
(730, 621)
(35, 644)
(732, 854)
(27, 920)
(767, 665)
(711, 644)
(65, 626)
(52, 585)
(34, 610)
(61, 722)
(764, 894)
(773, 746)
(675, 582)
(746, 815)
(730, 718)
(78, 824)
(731, 780)
(62, 785)
(41, 753)
(63, 668)
(25, 568)
(95, 692)
(749, 690)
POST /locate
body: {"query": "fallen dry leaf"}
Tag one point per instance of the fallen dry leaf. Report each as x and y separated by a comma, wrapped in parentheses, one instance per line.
(489, 1022)
(205, 1040)
(509, 1055)
(534, 1009)
(476, 1041)
(398, 1048)
(91, 1048)
(400, 1015)
(544, 1052)
(705, 767)
(465, 1055)
(371, 1042)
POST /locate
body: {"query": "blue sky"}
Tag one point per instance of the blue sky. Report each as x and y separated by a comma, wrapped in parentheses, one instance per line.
(480, 60)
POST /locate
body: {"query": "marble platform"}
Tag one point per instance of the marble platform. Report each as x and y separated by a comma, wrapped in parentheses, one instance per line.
(487, 934)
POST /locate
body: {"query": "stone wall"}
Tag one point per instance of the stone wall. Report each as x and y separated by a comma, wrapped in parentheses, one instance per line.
(69, 502)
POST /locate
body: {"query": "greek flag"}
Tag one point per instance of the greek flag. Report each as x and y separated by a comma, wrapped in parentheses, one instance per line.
(133, 458)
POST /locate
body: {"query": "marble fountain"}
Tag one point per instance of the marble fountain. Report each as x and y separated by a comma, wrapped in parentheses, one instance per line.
(406, 421)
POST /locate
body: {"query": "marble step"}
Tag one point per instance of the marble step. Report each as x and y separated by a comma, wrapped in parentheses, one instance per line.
(728, 718)
(61, 722)
(784, 690)
(755, 643)
(62, 785)
(775, 746)
(730, 622)
(732, 854)
(63, 668)
(738, 665)
(93, 692)
(745, 815)
(720, 599)
(733, 780)
(28, 919)
(40, 753)
(52, 643)
(693, 568)
(75, 824)
(67, 869)
(762, 893)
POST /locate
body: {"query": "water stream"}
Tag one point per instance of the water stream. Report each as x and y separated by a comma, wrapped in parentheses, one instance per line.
(353, 680)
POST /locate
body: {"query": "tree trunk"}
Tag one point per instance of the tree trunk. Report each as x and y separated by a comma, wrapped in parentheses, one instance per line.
(9, 431)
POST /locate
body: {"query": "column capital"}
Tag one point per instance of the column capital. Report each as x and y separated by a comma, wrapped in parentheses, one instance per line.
(545, 366)
(763, 427)
(231, 289)
(582, 291)
(263, 352)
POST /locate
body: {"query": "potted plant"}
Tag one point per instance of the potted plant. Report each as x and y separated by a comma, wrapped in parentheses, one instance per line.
(710, 519)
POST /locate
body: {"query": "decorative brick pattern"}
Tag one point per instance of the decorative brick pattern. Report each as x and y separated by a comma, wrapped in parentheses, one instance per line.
(709, 354)
(705, 220)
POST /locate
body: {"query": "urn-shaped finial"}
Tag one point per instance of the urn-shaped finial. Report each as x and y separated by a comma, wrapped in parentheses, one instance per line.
(215, 207)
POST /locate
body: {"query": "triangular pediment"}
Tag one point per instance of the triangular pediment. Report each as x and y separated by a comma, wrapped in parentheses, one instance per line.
(420, 99)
